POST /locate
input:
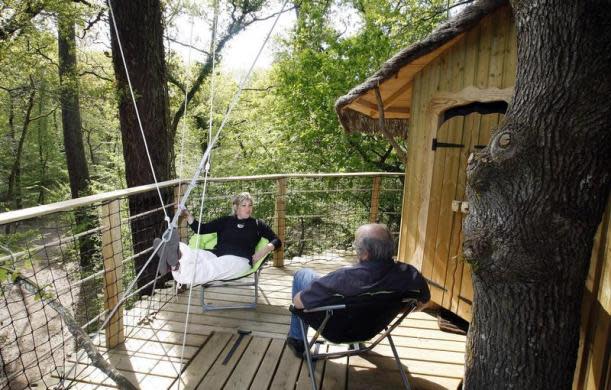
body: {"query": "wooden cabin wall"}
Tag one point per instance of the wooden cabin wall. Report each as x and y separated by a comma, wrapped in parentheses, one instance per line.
(593, 368)
(484, 58)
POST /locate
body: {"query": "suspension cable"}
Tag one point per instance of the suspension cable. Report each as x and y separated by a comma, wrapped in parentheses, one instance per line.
(205, 163)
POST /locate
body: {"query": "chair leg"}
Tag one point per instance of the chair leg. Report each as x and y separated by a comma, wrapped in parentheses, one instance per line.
(403, 374)
(201, 299)
(308, 355)
(256, 288)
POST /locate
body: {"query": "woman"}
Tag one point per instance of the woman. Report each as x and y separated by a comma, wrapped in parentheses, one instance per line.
(237, 237)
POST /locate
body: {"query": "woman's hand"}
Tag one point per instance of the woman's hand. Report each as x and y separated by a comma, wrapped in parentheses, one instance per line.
(186, 213)
(262, 252)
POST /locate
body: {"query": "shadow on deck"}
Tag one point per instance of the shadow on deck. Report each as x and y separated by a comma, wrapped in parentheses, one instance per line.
(151, 353)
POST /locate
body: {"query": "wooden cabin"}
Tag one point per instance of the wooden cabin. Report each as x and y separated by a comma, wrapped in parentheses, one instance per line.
(445, 94)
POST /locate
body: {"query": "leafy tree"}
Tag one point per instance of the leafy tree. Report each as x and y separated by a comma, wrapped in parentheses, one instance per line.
(320, 63)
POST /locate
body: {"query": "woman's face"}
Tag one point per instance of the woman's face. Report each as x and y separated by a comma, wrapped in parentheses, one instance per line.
(244, 209)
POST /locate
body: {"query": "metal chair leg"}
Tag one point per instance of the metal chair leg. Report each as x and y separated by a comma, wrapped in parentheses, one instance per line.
(403, 374)
(201, 299)
(308, 355)
(256, 288)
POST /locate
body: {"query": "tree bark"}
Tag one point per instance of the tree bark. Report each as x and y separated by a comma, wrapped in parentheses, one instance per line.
(536, 195)
(78, 170)
(141, 34)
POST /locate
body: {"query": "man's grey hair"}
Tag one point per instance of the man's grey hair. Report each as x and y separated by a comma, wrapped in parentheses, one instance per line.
(238, 199)
(377, 242)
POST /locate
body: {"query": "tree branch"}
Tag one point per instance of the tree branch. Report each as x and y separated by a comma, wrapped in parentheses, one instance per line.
(380, 164)
(20, 19)
(80, 336)
(91, 72)
(92, 23)
(186, 45)
(400, 151)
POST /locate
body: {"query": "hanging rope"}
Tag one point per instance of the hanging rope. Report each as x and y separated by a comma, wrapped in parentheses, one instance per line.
(205, 162)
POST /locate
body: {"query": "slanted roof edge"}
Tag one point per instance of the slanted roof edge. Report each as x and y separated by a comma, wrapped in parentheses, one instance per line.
(447, 31)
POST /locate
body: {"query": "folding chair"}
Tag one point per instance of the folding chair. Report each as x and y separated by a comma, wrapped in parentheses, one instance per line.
(208, 242)
(355, 320)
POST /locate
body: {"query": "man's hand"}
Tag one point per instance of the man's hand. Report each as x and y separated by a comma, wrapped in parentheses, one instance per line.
(297, 301)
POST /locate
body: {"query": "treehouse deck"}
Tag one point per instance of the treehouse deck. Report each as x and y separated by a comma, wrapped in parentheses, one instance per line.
(151, 353)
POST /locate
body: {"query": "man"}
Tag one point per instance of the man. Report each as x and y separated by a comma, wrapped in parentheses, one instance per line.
(375, 271)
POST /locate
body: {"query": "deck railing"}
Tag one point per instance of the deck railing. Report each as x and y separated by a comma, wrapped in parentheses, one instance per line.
(84, 254)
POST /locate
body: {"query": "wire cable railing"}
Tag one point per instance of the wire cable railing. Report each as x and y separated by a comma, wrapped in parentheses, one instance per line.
(82, 254)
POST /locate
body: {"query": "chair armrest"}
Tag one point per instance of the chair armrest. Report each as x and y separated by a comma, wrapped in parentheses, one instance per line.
(293, 309)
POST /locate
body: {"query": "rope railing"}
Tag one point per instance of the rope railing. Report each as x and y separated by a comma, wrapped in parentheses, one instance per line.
(84, 255)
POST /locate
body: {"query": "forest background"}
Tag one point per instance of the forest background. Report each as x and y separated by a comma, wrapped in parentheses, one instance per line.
(283, 123)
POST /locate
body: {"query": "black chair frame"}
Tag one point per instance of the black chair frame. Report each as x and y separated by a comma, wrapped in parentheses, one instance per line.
(357, 347)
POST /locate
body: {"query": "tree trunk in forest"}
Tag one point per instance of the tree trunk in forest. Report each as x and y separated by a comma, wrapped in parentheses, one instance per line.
(43, 136)
(14, 179)
(536, 196)
(141, 34)
(78, 171)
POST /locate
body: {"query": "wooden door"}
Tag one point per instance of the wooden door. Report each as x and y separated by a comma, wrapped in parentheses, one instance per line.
(457, 138)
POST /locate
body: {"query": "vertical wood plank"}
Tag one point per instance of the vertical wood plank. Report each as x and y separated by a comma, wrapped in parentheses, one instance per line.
(511, 51)
(485, 47)
(112, 252)
(595, 327)
(179, 190)
(375, 199)
(280, 219)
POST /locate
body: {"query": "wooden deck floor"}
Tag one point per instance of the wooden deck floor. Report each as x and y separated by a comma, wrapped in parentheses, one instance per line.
(151, 354)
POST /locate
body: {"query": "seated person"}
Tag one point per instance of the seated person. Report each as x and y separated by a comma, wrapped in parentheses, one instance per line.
(375, 271)
(237, 237)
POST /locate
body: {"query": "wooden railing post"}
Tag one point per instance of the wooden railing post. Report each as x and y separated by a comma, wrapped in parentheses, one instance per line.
(280, 222)
(179, 190)
(375, 200)
(112, 251)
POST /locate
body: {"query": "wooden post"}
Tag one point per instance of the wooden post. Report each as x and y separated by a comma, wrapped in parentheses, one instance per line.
(179, 190)
(375, 200)
(280, 222)
(112, 251)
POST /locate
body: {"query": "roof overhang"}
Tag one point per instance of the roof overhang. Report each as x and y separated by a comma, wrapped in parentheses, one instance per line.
(359, 110)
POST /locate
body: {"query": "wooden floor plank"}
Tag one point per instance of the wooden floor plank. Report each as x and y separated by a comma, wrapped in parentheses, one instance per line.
(336, 371)
(303, 381)
(266, 371)
(246, 369)
(221, 370)
(201, 363)
(287, 372)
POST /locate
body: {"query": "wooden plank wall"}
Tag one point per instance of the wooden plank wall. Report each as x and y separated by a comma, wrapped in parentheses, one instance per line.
(593, 369)
(484, 58)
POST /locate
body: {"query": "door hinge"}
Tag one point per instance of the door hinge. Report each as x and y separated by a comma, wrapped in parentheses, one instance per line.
(437, 144)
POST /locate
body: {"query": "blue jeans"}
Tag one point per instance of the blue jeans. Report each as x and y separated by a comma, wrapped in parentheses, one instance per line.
(301, 280)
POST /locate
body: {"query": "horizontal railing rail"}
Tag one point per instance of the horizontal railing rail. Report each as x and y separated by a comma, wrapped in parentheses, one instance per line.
(39, 211)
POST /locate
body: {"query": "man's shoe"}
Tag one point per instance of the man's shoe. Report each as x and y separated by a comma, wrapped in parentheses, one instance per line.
(296, 345)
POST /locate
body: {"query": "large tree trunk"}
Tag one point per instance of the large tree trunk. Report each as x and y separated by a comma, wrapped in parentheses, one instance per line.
(536, 196)
(141, 34)
(78, 170)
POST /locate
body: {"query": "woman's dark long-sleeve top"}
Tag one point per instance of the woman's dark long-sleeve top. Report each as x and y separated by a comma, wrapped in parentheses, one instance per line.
(237, 237)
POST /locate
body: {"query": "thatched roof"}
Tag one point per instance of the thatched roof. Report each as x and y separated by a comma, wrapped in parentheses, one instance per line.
(358, 109)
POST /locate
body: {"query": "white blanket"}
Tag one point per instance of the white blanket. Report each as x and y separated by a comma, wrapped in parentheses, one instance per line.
(199, 266)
